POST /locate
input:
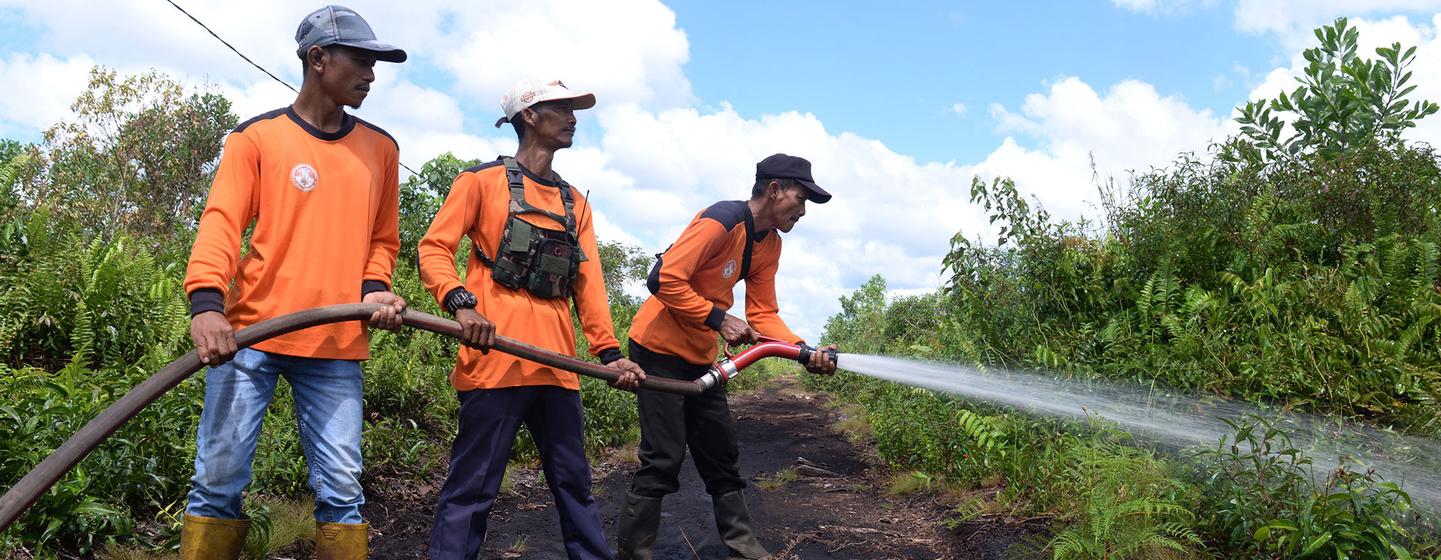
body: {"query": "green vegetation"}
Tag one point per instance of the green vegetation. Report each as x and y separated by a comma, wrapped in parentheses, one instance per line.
(1267, 505)
(1295, 264)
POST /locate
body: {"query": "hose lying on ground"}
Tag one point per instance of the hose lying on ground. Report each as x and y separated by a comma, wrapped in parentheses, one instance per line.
(24, 494)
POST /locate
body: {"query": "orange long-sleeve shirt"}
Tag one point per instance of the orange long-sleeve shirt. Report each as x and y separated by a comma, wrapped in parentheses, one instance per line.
(478, 207)
(693, 290)
(326, 212)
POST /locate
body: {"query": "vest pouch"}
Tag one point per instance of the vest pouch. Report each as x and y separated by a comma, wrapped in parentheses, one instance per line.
(512, 262)
(554, 267)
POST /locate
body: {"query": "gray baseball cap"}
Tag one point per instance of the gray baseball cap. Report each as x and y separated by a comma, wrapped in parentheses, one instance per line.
(339, 25)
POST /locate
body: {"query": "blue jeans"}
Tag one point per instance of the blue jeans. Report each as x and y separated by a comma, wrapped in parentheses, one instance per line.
(328, 403)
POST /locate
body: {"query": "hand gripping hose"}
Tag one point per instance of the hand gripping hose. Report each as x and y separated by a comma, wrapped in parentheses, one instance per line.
(24, 493)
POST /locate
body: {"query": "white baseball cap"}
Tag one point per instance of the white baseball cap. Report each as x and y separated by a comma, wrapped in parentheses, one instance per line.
(528, 92)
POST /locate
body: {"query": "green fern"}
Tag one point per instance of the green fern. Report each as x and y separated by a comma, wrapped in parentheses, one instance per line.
(1125, 511)
(1146, 296)
(10, 170)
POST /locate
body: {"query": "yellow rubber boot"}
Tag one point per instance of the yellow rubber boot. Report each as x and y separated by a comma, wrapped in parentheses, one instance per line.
(341, 541)
(210, 538)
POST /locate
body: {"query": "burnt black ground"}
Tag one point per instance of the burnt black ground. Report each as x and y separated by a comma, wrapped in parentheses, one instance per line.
(846, 513)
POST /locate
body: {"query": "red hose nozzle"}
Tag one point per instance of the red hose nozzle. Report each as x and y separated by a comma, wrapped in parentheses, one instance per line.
(730, 366)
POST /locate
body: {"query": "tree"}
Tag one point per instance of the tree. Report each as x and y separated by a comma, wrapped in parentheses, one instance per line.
(137, 156)
(860, 325)
(1344, 102)
(10, 149)
(421, 196)
(623, 264)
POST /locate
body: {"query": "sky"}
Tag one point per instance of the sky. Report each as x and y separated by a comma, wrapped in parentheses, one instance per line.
(899, 105)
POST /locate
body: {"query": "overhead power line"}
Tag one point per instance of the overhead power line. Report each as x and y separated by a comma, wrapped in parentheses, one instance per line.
(252, 62)
(232, 47)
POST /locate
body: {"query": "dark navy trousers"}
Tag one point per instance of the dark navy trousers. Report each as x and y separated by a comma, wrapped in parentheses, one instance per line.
(489, 420)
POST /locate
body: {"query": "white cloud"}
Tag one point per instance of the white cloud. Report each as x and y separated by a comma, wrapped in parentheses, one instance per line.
(626, 51)
(1136, 5)
(253, 98)
(427, 122)
(1275, 82)
(1131, 127)
(1293, 20)
(711, 156)
(156, 34)
(32, 100)
(1160, 6)
(629, 52)
(959, 109)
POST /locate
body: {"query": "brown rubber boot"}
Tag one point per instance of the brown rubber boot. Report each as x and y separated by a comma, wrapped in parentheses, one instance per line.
(210, 538)
(734, 522)
(639, 521)
(342, 541)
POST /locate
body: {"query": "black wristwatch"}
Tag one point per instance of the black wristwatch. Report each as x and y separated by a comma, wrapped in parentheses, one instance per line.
(459, 299)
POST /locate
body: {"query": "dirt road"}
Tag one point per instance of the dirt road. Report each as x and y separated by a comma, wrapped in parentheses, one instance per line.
(814, 495)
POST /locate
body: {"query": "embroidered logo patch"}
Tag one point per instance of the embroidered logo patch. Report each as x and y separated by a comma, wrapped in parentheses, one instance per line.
(730, 269)
(303, 176)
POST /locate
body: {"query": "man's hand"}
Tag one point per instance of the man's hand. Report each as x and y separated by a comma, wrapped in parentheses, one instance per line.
(630, 375)
(387, 317)
(475, 331)
(213, 337)
(821, 361)
(736, 331)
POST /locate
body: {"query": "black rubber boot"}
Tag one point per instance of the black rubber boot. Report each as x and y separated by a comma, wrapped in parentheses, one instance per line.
(639, 521)
(734, 522)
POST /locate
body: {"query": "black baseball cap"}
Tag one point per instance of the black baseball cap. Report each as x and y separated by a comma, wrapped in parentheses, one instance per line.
(339, 25)
(782, 166)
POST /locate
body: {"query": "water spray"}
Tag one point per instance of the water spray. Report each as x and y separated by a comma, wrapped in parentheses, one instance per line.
(1171, 418)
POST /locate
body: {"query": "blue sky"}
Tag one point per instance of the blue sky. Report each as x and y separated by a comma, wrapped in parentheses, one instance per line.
(693, 92)
(894, 70)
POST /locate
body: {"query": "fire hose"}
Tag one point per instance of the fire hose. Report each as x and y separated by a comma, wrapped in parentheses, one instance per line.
(39, 480)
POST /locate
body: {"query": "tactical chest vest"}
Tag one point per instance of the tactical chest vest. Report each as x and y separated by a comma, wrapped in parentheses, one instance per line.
(544, 262)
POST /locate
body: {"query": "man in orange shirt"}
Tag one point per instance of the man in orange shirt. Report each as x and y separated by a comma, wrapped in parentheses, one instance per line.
(321, 188)
(534, 251)
(674, 335)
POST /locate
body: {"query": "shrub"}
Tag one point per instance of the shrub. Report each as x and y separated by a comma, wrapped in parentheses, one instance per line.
(1266, 502)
